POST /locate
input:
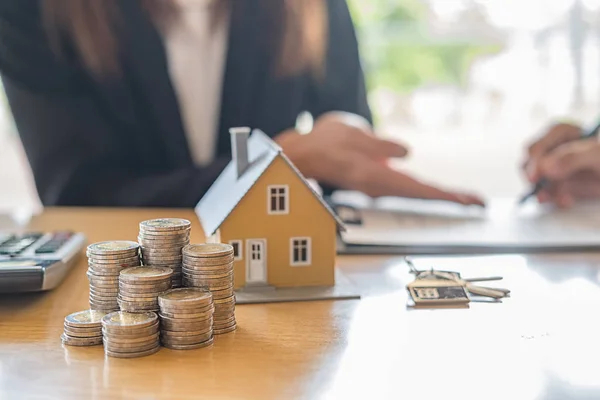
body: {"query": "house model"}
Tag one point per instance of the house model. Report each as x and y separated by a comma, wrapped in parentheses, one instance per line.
(282, 231)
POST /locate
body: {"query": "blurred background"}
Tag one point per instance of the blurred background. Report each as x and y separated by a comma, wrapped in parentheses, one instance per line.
(465, 83)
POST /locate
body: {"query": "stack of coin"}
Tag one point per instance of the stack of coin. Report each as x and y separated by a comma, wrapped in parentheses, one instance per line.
(186, 318)
(105, 261)
(162, 240)
(128, 335)
(139, 287)
(83, 328)
(211, 266)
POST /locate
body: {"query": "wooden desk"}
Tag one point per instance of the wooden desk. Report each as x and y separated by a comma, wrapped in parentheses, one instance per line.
(543, 343)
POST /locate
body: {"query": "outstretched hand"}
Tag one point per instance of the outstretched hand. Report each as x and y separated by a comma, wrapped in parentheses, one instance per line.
(342, 151)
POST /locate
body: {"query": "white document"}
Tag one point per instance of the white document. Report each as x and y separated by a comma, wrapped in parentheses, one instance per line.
(432, 226)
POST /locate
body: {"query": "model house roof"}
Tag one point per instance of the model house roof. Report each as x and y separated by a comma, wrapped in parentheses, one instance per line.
(239, 176)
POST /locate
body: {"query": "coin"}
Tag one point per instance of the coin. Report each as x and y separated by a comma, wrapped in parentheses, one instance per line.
(137, 307)
(179, 315)
(187, 339)
(113, 247)
(132, 355)
(73, 341)
(162, 242)
(128, 291)
(143, 339)
(145, 274)
(106, 260)
(129, 320)
(208, 250)
(126, 349)
(189, 346)
(165, 224)
(159, 239)
(225, 330)
(108, 263)
(85, 319)
(185, 296)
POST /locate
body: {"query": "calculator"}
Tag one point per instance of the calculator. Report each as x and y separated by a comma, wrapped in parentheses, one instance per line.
(37, 261)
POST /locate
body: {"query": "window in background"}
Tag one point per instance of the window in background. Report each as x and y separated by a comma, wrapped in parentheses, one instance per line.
(457, 65)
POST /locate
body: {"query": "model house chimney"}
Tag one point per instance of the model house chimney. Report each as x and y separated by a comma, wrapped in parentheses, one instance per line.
(239, 148)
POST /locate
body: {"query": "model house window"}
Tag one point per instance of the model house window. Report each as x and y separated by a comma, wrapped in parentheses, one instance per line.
(278, 200)
(237, 249)
(301, 251)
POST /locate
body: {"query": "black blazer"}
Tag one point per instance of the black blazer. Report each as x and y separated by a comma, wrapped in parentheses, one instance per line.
(122, 143)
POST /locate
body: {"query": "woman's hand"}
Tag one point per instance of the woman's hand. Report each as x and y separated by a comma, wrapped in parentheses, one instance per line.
(342, 151)
(571, 164)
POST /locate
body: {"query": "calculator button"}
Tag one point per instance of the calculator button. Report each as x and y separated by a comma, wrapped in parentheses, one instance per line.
(18, 244)
(57, 240)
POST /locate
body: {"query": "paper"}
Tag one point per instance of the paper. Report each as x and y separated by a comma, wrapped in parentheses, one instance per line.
(441, 226)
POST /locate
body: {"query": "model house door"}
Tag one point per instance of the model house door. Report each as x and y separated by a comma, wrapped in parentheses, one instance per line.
(256, 269)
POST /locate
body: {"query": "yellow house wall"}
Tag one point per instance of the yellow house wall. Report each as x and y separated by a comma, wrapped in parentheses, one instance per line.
(306, 218)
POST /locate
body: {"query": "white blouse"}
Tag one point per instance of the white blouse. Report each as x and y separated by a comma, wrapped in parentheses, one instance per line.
(196, 55)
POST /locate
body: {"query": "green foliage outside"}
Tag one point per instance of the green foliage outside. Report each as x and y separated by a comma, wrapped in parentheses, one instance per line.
(398, 53)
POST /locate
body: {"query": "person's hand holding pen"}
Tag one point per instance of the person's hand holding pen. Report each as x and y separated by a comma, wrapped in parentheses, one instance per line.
(343, 152)
(568, 162)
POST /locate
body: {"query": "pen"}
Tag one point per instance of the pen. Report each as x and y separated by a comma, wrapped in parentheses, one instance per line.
(543, 182)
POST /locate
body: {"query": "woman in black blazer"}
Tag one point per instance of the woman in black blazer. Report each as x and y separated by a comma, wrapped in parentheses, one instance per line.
(106, 114)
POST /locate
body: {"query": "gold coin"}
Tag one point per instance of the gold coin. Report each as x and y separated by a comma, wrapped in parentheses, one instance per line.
(189, 346)
(73, 341)
(132, 355)
(129, 320)
(112, 247)
(165, 224)
(187, 339)
(145, 274)
(224, 331)
(185, 296)
(208, 250)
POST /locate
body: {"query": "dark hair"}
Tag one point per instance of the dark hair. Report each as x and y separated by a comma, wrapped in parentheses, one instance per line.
(300, 30)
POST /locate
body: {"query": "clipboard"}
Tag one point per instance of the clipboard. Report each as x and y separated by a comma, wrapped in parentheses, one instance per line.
(411, 226)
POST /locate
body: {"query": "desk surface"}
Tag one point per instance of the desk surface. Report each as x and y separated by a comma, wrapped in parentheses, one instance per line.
(542, 343)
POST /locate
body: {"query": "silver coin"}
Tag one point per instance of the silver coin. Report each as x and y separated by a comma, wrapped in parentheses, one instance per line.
(165, 224)
(112, 247)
